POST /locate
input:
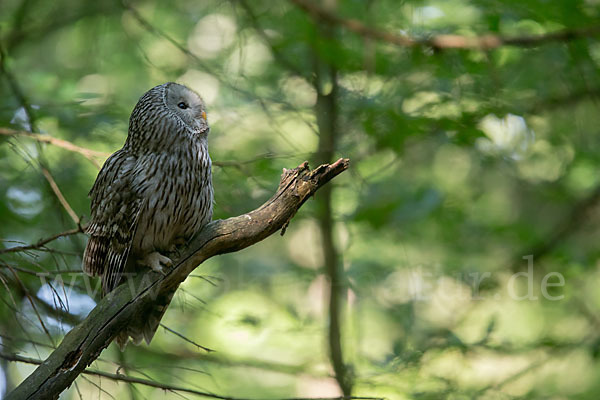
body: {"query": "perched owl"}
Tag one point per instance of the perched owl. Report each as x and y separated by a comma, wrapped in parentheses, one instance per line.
(150, 195)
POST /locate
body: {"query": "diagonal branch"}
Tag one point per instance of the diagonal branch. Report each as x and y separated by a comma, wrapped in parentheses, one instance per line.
(60, 196)
(440, 42)
(84, 343)
(31, 126)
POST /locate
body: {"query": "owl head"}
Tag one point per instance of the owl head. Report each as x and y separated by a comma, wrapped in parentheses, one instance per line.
(168, 114)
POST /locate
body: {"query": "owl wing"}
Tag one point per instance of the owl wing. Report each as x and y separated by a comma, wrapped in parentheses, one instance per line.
(115, 214)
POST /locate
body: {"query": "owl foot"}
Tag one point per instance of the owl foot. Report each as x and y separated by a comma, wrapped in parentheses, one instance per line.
(155, 261)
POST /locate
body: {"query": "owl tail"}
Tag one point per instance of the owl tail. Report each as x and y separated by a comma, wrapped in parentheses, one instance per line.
(145, 326)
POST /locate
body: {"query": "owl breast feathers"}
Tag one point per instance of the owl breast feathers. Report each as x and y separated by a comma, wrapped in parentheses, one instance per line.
(153, 193)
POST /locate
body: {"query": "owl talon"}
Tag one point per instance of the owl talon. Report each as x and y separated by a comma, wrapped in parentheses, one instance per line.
(156, 261)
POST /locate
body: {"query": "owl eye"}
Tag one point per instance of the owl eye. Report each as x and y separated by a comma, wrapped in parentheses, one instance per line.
(182, 105)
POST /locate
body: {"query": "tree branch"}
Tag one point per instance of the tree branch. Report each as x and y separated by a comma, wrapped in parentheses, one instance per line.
(60, 196)
(84, 343)
(92, 155)
(441, 42)
(151, 383)
(31, 126)
(42, 242)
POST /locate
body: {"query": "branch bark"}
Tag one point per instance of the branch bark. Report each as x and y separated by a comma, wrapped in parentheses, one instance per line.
(84, 343)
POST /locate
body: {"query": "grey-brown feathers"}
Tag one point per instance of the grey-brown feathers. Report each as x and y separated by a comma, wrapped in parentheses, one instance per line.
(155, 191)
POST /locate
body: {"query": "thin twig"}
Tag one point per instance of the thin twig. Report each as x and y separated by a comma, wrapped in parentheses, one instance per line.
(186, 339)
(93, 155)
(98, 386)
(15, 308)
(147, 382)
(60, 196)
(33, 306)
(42, 242)
(201, 63)
(31, 126)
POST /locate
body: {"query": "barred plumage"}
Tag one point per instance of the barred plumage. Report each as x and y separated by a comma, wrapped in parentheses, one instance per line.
(152, 194)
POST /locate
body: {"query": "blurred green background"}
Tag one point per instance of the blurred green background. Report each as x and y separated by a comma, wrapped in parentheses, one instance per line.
(463, 161)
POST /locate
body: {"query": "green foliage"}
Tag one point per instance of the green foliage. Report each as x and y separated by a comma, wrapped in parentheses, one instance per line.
(462, 162)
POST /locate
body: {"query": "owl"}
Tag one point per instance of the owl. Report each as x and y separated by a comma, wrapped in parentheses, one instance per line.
(151, 195)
